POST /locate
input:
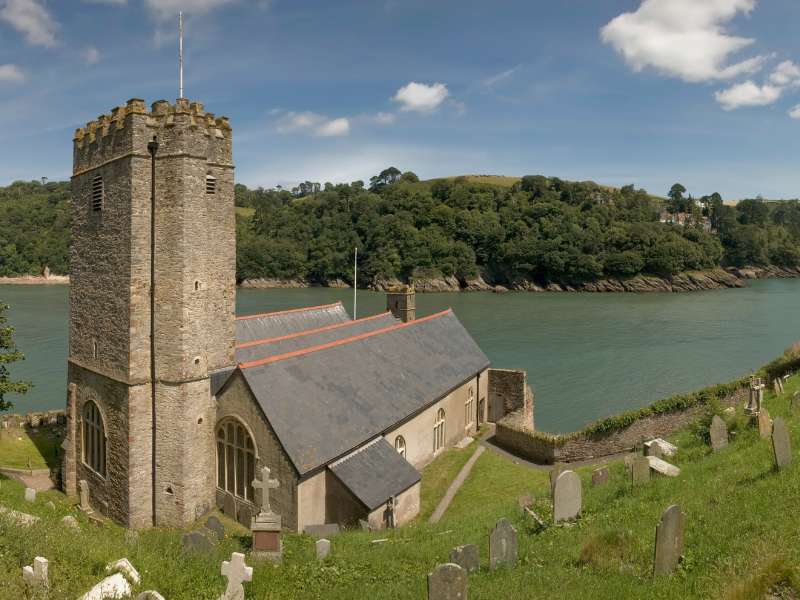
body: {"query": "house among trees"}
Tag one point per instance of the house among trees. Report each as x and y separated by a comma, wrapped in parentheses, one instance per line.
(175, 403)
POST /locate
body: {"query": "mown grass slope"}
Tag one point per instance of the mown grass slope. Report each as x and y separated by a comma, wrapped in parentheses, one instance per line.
(741, 541)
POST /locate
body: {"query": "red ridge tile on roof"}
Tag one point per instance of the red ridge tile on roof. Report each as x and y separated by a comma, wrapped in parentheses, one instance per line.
(286, 312)
(342, 342)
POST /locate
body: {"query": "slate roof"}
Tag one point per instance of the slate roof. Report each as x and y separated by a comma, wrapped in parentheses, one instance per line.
(375, 472)
(312, 337)
(285, 322)
(327, 400)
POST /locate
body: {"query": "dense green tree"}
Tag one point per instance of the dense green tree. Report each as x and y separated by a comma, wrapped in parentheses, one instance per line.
(9, 354)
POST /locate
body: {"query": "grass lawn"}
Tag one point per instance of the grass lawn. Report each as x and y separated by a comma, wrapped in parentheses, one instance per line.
(742, 537)
(18, 446)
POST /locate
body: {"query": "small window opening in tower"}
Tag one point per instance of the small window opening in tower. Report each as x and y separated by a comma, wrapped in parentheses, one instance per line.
(196, 285)
(94, 348)
(211, 184)
(97, 193)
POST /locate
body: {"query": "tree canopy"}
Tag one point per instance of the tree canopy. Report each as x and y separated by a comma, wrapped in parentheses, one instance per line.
(9, 354)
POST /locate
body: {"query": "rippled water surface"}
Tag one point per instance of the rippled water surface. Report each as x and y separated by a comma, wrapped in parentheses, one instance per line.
(587, 355)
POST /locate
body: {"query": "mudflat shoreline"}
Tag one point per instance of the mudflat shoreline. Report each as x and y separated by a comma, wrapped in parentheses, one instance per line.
(35, 280)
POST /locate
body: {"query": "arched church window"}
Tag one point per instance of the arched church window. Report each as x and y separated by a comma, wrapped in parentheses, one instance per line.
(400, 445)
(236, 460)
(438, 431)
(94, 439)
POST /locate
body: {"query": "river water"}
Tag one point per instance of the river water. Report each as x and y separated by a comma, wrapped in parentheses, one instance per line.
(587, 355)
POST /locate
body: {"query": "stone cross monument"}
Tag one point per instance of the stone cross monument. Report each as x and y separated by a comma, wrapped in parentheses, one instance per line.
(266, 525)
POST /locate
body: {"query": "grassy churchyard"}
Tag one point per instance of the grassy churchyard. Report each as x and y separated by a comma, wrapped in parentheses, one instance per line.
(742, 536)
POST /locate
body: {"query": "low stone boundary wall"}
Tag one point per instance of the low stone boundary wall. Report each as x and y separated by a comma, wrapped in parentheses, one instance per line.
(33, 419)
(512, 434)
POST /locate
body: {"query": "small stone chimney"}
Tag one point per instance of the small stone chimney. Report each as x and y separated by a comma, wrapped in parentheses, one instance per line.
(401, 302)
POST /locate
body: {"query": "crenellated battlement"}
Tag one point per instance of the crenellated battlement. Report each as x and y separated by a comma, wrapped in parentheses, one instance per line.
(184, 126)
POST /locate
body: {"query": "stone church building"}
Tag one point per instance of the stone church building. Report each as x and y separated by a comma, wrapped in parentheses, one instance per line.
(175, 403)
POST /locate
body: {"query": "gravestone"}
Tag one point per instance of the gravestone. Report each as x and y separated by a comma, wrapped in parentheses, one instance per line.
(30, 495)
(669, 541)
(124, 566)
(214, 525)
(600, 476)
(323, 548)
(776, 387)
(466, 557)
(83, 492)
(236, 572)
(640, 470)
(718, 432)
(447, 582)
(567, 497)
(113, 586)
(502, 545)
(35, 575)
(557, 469)
(229, 506)
(651, 449)
(266, 525)
(70, 522)
(245, 515)
(662, 467)
(764, 423)
(196, 542)
(781, 444)
(794, 403)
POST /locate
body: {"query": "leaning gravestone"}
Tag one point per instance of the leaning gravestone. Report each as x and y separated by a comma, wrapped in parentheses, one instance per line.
(640, 470)
(600, 476)
(196, 542)
(466, 557)
(502, 545)
(567, 497)
(214, 525)
(669, 541)
(447, 582)
(718, 432)
(781, 444)
(323, 548)
(764, 423)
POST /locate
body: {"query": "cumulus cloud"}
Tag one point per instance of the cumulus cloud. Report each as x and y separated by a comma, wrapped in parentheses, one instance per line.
(794, 112)
(31, 19)
(420, 97)
(748, 94)
(11, 74)
(91, 55)
(314, 124)
(683, 38)
(164, 10)
(786, 73)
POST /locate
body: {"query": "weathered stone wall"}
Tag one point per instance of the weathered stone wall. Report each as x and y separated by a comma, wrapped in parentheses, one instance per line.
(235, 401)
(194, 287)
(34, 419)
(508, 391)
(512, 435)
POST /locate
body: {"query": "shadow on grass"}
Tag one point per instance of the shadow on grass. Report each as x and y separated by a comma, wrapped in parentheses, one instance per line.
(47, 441)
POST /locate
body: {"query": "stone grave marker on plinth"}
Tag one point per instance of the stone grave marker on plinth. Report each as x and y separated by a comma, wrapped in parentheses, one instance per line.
(266, 525)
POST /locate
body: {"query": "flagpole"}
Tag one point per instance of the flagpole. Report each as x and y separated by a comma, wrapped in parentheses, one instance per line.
(355, 283)
(180, 52)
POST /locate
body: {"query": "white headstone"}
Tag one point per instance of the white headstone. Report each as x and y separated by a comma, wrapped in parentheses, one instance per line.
(36, 574)
(663, 467)
(124, 566)
(323, 548)
(567, 497)
(237, 572)
(265, 484)
(115, 586)
(30, 495)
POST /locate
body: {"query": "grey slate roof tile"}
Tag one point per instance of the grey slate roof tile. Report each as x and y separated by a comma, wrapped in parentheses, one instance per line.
(269, 325)
(374, 473)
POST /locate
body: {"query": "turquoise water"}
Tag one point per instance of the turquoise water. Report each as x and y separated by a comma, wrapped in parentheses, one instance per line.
(587, 355)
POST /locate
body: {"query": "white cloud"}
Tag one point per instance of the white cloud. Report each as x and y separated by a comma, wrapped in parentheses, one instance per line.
(420, 97)
(11, 74)
(165, 10)
(683, 38)
(384, 118)
(785, 73)
(794, 112)
(91, 55)
(334, 128)
(748, 94)
(313, 123)
(31, 19)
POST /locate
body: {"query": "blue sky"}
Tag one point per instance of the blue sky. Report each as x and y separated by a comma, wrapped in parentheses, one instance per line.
(618, 91)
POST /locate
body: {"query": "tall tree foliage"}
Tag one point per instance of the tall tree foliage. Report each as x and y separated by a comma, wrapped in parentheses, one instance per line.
(9, 354)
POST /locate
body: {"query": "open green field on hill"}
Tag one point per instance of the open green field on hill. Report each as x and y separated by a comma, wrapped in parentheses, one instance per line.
(742, 537)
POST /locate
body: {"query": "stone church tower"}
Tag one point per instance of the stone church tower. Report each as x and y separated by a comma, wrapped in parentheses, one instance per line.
(141, 432)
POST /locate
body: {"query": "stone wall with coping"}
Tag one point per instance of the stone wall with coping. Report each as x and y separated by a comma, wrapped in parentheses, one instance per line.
(35, 419)
(512, 434)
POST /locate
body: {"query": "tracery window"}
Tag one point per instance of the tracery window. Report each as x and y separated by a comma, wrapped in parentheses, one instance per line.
(236, 460)
(94, 439)
(438, 431)
(400, 445)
